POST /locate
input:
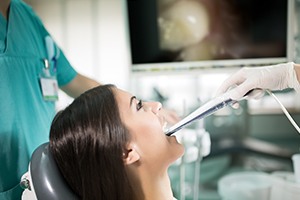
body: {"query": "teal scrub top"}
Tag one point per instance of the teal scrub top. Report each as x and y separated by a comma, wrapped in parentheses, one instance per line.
(25, 117)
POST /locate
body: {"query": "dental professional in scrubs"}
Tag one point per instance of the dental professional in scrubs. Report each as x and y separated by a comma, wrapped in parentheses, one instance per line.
(28, 90)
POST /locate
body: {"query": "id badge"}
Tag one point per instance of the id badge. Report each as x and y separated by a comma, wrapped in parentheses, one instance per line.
(49, 88)
(49, 85)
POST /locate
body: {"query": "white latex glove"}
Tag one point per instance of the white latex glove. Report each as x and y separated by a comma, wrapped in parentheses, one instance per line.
(275, 77)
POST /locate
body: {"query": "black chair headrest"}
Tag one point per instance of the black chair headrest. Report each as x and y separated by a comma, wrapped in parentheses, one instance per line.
(47, 180)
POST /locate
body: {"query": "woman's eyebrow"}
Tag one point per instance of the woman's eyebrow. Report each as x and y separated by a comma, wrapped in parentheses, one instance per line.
(131, 100)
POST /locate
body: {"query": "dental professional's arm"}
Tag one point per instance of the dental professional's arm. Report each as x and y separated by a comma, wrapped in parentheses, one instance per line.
(79, 85)
(274, 77)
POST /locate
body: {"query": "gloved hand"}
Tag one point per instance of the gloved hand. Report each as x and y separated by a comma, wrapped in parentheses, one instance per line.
(275, 77)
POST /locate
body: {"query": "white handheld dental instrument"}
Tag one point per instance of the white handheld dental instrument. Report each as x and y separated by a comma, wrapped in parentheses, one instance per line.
(205, 110)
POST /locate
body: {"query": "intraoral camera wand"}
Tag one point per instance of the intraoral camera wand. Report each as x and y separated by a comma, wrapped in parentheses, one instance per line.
(205, 110)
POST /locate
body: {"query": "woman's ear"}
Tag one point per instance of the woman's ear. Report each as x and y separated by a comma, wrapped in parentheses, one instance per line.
(131, 155)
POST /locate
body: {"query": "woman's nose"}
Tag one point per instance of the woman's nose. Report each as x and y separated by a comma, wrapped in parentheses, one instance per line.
(154, 106)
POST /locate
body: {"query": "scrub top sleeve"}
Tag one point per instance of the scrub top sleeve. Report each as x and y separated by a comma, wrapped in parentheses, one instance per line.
(65, 72)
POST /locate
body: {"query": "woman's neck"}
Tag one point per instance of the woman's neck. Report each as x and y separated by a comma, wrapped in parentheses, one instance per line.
(4, 5)
(159, 190)
(147, 186)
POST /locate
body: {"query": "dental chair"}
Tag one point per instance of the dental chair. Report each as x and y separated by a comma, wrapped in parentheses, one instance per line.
(43, 179)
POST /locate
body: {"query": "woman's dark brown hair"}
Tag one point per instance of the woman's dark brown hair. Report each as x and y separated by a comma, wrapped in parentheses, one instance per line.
(87, 140)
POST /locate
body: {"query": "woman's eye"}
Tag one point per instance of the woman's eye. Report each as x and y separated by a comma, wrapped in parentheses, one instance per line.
(139, 105)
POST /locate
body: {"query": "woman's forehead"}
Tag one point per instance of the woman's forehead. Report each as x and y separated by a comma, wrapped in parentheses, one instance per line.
(123, 96)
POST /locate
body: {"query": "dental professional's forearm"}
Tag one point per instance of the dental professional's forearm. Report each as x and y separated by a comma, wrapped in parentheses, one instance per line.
(79, 85)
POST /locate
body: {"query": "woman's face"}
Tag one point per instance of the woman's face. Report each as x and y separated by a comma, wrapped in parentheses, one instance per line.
(145, 125)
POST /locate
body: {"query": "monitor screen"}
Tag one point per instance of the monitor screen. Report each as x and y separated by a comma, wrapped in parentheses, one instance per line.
(194, 34)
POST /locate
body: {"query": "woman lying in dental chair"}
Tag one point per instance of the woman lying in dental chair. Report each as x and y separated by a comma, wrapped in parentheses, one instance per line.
(109, 145)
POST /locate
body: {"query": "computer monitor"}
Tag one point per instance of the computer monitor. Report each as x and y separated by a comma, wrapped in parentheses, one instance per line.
(180, 35)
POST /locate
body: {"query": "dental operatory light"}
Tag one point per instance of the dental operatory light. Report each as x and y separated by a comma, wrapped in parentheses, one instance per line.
(218, 103)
